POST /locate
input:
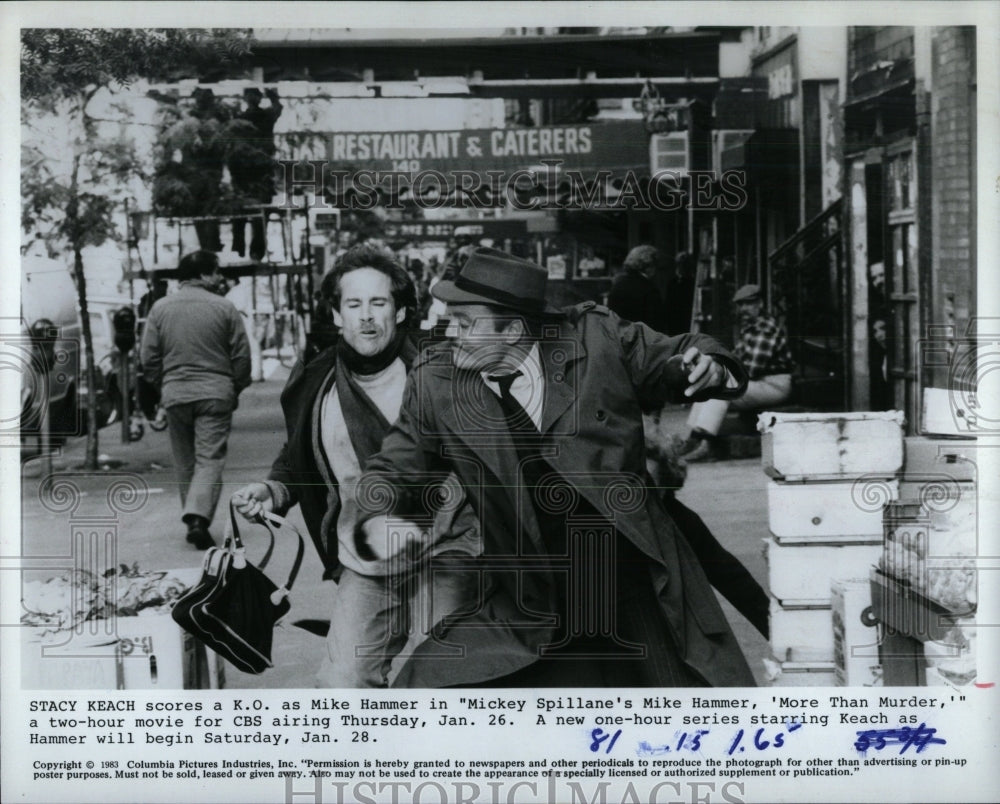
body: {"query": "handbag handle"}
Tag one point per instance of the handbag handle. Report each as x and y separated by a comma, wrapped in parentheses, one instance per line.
(279, 522)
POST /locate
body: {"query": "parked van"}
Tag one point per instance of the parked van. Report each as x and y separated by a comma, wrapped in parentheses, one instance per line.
(53, 348)
(54, 355)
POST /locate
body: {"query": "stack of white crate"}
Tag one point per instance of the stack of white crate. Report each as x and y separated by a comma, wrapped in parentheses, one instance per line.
(831, 474)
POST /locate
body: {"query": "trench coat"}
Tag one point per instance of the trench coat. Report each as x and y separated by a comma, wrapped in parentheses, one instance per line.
(599, 370)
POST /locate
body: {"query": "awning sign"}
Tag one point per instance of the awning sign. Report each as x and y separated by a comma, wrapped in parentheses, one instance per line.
(616, 146)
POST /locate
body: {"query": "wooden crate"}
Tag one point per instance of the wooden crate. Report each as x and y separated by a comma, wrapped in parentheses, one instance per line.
(801, 634)
(801, 574)
(824, 511)
(824, 446)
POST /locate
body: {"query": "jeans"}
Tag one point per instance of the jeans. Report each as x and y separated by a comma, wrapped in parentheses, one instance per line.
(199, 432)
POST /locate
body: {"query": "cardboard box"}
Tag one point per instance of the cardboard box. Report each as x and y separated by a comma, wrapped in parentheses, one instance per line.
(950, 457)
(132, 653)
(824, 511)
(855, 635)
(801, 634)
(801, 574)
(821, 446)
(806, 674)
(934, 549)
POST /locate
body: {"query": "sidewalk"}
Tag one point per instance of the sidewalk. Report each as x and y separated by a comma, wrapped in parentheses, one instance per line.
(153, 535)
(728, 495)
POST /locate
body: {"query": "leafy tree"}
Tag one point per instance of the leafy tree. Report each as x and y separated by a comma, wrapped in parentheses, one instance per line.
(62, 70)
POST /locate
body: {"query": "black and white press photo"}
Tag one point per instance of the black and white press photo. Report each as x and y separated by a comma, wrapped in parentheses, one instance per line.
(419, 406)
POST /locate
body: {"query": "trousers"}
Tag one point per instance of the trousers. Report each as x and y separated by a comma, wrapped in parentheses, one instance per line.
(199, 435)
(770, 390)
(377, 620)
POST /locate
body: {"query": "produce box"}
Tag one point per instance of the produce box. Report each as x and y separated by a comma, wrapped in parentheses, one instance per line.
(800, 574)
(934, 551)
(855, 636)
(821, 511)
(823, 446)
(907, 612)
(801, 634)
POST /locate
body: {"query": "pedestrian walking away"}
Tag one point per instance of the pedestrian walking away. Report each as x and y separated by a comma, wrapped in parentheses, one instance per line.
(195, 351)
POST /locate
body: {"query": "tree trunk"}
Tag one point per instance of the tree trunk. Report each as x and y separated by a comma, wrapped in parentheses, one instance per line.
(73, 225)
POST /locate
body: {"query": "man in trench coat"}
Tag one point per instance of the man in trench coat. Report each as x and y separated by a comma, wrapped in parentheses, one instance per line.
(632, 607)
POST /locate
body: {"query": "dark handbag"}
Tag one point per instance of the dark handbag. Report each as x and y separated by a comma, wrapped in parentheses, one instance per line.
(234, 606)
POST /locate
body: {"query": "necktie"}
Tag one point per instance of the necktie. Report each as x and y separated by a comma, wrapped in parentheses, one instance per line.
(518, 420)
(585, 593)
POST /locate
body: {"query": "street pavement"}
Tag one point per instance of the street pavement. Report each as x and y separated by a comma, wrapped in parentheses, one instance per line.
(729, 496)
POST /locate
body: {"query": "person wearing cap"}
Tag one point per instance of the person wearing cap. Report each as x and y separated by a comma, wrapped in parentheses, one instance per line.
(195, 352)
(763, 350)
(634, 295)
(337, 407)
(585, 580)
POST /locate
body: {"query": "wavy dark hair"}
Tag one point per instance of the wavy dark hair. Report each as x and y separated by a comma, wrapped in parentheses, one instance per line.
(366, 255)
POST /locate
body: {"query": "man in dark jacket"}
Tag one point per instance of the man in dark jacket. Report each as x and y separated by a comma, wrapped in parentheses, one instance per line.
(337, 408)
(537, 411)
(195, 351)
(634, 295)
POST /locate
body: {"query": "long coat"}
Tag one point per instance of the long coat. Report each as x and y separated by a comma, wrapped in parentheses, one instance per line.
(300, 468)
(598, 368)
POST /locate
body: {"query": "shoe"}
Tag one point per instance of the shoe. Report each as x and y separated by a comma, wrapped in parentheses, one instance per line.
(198, 534)
(200, 538)
(159, 424)
(702, 452)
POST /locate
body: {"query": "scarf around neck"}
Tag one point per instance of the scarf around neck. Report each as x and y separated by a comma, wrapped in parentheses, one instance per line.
(365, 423)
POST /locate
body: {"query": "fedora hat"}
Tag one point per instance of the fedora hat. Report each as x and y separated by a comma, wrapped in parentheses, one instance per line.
(496, 278)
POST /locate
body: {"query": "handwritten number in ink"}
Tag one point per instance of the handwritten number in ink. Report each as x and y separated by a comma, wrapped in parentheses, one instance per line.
(760, 743)
(736, 742)
(919, 738)
(598, 736)
(680, 742)
(696, 739)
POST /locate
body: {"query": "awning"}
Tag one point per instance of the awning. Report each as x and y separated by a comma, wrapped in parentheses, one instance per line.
(483, 163)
